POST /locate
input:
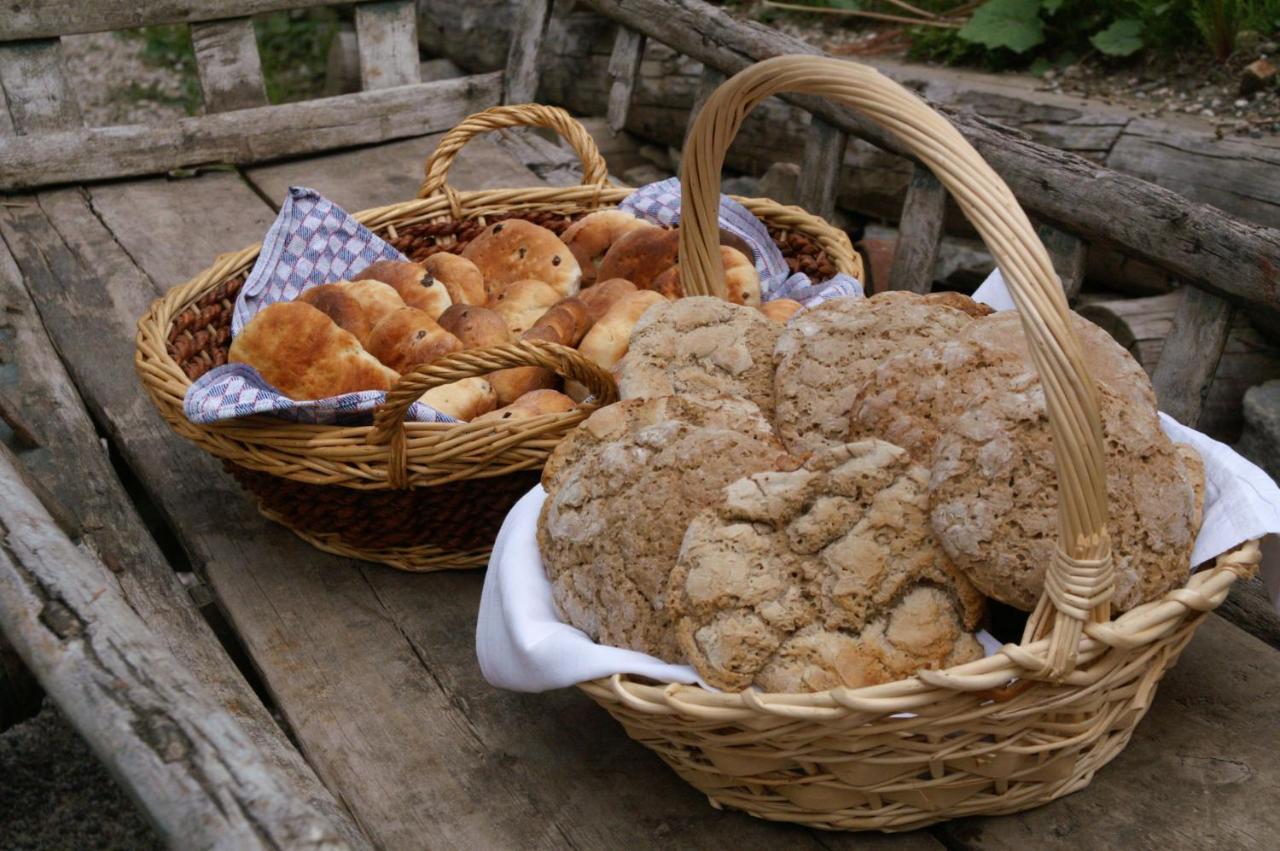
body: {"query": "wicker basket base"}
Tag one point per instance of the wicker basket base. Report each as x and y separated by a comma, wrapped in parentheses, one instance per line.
(423, 559)
(971, 753)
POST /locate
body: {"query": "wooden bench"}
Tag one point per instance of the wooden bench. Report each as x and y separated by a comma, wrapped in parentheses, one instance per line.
(251, 691)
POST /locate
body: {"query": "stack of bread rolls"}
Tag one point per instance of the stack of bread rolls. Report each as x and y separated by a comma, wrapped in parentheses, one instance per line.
(514, 281)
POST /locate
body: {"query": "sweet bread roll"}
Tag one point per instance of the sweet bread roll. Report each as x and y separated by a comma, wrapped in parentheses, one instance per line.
(607, 341)
(299, 350)
(567, 322)
(781, 309)
(516, 250)
(459, 275)
(741, 281)
(522, 303)
(641, 256)
(465, 399)
(601, 296)
(340, 306)
(532, 404)
(476, 327)
(590, 238)
(414, 284)
(376, 298)
(410, 337)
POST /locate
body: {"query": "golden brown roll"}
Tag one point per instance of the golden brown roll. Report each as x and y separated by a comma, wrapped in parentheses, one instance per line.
(641, 256)
(781, 309)
(301, 352)
(340, 306)
(516, 250)
(607, 341)
(465, 399)
(590, 237)
(741, 281)
(476, 327)
(532, 404)
(567, 322)
(410, 337)
(522, 303)
(601, 296)
(415, 285)
(460, 277)
(376, 298)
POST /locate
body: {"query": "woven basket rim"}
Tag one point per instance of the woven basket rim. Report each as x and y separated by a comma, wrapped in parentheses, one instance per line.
(334, 454)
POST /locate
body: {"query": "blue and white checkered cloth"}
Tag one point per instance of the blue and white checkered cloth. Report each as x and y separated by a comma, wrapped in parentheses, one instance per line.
(314, 241)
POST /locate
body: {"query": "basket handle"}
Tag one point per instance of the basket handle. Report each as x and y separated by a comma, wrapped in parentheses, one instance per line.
(388, 419)
(594, 170)
(1079, 581)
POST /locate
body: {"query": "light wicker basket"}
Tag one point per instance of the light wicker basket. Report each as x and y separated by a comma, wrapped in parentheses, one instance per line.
(1017, 729)
(416, 496)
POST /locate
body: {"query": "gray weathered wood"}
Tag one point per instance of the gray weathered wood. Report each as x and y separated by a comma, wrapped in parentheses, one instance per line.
(387, 35)
(1200, 771)
(709, 79)
(166, 738)
(920, 233)
(228, 64)
(245, 136)
(820, 168)
(624, 67)
(35, 87)
(521, 85)
(69, 462)
(24, 19)
(1191, 353)
(1068, 254)
(1199, 244)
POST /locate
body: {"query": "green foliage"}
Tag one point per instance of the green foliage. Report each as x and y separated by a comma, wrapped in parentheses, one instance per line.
(167, 47)
(1012, 24)
(1122, 38)
(1219, 23)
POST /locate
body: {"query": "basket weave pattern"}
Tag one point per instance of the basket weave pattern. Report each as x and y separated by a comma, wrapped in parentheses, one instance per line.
(417, 496)
(1005, 733)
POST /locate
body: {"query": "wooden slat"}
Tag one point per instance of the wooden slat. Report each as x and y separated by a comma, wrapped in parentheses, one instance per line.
(708, 81)
(35, 87)
(228, 64)
(387, 35)
(820, 170)
(919, 233)
(1069, 254)
(527, 31)
(1191, 354)
(245, 136)
(1197, 243)
(25, 19)
(624, 67)
(163, 734)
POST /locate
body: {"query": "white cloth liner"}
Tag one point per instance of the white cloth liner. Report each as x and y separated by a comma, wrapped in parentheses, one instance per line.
(523, 646)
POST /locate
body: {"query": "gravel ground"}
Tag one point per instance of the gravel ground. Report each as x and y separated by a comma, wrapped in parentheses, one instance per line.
(55, 795)
(115, 86)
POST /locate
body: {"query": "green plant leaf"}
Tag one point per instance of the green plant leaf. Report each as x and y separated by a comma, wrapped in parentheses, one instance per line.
(1041, 67)
(1014, 24)
(1051, 6)
(1122, 38)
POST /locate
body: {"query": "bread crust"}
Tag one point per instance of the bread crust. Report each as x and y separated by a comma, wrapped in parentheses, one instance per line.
(516, 250)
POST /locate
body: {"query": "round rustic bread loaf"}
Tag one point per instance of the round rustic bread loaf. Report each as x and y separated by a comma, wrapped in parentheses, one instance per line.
(821, 577)
(826, 354)
(994, 492)
(622, 487)
(702, 346)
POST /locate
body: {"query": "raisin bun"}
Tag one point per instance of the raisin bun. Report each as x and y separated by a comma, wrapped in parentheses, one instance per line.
(415, 285)
(515, 250)
(591, 237)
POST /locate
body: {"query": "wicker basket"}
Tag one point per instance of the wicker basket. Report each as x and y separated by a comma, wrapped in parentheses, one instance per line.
(416, 496)
(1017, 729)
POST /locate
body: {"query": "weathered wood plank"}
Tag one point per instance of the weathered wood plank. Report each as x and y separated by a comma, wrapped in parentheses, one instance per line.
(709, 79)
(71, 463)
(820, 168)
(919, 234)
(522, 58)
(228, 64)
(166, 738)
(1199, 772)
(244, 136)
(1191, 354)
(387, 35)
(1199, 244)
(35, 87)
(24, 19)
(1068, 254)
(624, 67)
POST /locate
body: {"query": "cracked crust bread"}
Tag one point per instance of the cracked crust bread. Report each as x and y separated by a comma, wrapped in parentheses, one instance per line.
(622, 487)
(823, 576)
(701, 346)
(825, 354)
